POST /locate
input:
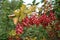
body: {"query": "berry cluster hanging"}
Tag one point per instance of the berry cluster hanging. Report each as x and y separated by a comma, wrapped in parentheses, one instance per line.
(44, 20)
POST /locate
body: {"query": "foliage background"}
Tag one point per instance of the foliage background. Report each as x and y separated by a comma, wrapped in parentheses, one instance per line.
(7, 8)
(6, 24)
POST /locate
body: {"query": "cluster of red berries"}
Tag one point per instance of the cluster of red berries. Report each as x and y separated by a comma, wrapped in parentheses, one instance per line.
(43, 19)
(30, 21)
(19, 28)
(52, 15)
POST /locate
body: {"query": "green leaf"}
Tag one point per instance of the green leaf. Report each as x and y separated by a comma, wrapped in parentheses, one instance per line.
(37, 3)
(34, 1)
